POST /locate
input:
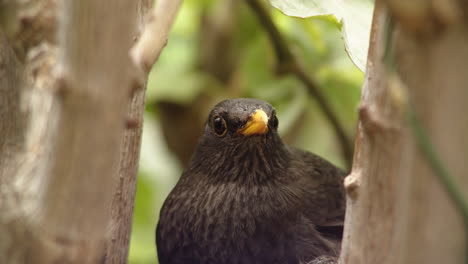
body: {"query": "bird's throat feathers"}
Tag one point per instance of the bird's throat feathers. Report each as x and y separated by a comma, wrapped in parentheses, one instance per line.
(254, 159)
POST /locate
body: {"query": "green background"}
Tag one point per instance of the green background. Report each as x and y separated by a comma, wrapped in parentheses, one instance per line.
(241, 63)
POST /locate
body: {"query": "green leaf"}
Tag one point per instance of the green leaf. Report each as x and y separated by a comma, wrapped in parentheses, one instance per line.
(354, 20)
(306, 8)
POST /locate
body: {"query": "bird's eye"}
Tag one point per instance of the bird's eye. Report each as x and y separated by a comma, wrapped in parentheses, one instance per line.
(219, 126)
(274, 121)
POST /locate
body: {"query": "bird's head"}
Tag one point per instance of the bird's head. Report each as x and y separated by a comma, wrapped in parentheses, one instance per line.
(241, 119)
(241, 134)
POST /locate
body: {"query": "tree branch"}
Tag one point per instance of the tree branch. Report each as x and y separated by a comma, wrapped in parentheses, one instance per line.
(147, 50)
(421, 137)
(288, 63)
(93, 82)
(441, 172)
(120, 226)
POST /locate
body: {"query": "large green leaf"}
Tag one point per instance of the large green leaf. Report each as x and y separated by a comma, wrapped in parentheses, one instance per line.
(354, 17)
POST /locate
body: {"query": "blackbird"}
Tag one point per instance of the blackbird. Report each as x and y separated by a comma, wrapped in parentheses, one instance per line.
(246, 198)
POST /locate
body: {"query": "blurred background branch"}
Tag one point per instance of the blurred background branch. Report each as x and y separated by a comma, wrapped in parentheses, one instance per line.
(289, 64)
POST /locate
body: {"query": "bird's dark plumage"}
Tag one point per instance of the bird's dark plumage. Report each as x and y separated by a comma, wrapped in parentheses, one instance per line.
(247, 198)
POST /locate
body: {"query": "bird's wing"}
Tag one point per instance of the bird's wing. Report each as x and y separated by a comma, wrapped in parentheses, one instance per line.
(324, 195)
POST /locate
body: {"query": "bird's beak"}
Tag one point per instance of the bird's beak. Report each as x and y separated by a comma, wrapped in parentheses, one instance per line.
(257, 124)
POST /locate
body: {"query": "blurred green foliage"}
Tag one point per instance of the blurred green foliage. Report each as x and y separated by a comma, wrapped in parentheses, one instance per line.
(180, 78)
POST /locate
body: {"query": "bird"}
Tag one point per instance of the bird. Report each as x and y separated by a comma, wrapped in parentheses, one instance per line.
(247, 198)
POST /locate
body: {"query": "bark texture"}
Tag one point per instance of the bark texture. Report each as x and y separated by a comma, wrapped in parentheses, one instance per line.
(64, 109)
(120, 226)
(398, 212)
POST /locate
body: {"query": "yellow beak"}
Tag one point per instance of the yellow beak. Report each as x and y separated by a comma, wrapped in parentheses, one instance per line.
(257, 125)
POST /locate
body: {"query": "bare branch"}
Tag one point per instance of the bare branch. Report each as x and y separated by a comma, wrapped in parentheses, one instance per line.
(401, 207)
(64, 125)
(73, 204)
(146, 51)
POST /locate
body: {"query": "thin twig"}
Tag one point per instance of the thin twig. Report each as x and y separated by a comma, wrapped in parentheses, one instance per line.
(288, 63)
(146, 51)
